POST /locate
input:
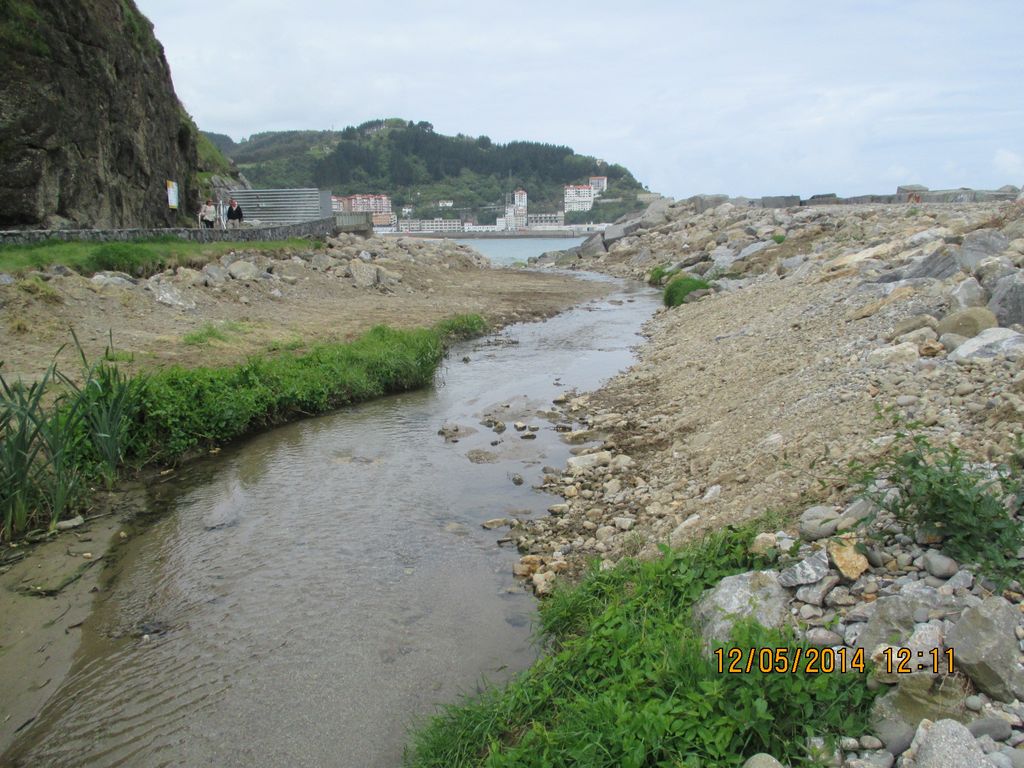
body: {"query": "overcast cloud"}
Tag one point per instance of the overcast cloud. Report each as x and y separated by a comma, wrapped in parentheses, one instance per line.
(747, 98)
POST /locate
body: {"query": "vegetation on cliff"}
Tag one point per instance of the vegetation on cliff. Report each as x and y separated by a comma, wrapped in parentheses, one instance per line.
(90, 127)
(418, 166)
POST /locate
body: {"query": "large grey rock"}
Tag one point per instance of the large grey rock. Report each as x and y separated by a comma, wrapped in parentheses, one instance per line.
(893, 620)
(993, 269)
(1007, 301)
(617, 232)
(116, 279)
(988, 344)
(753, 248)
(945, 744)
(6, 279)
(986, 648)
(979, 245)
(243, 270)
(939, 565)
(762, 760)
(918, 696)
(818, 522)
(723, 256)
(938, 265)
(968, 293)
(167, 294)
(363, 275)
(927, 236)
(578, 464)
(753, 595)
(807, 571)
(967, 322)
(814, 594)
(214, 274)
(898, 354)
(593, 246)
(322, 262)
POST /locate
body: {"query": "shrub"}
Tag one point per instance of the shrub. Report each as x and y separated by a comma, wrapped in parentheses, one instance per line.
(974, 509)
(681, 287)
(779, 239)
(659, 273)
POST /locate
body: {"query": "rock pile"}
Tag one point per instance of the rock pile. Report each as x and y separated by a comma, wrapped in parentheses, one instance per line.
(757, 396)
(375, 263)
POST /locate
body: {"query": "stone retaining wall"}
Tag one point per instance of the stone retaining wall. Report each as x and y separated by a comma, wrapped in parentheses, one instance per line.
(317, 228)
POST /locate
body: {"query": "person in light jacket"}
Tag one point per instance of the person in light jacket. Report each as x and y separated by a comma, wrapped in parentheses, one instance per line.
(208, 214)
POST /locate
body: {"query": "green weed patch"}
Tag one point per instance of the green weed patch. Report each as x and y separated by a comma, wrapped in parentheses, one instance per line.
(681, 287)
(625, 684)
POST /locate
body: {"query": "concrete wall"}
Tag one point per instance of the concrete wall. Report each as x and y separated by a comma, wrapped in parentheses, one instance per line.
(318, 228)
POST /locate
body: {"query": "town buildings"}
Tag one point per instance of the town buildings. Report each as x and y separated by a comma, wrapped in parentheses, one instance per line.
(578, 197)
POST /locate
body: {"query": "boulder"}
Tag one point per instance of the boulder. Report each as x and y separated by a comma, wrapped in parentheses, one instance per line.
(945, 744)
(916, 697)
(322, 262)
(818, 522)
(808, 571)
(578, 464)
(243, 270)
(1007, 302)
(893, 619)
(968, 293)
(846, 557)
(899, 354)
(967, 322)
(593, 246)
(989, 343)
(939, 265)
(979, 245)
(167, 294)
(214, 274)
(117, 279)
(993, 269)
(762, 760)
(723, 256)
(986, 648)
(189, 276)
(363, 275)
(753, 595)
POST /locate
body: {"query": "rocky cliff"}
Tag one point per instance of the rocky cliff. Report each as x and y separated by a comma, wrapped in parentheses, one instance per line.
(90, 126)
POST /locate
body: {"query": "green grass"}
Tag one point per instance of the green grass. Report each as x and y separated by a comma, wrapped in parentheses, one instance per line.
(659, 273)
(209, 332)
(677, 290)
(624, 683)
(140, 257)
(49, 455)
(40, 289)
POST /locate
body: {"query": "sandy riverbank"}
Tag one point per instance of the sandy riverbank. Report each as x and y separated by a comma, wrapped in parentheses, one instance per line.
(291, 302)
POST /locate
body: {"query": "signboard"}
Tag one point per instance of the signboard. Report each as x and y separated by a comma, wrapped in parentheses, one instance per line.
(172, 194)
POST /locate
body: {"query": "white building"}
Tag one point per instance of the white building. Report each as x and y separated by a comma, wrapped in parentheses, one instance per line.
(366, 203)
(578, 197)
(430, 225)
(407, 211)
(445, 203)
(599, 184)
(519, 199)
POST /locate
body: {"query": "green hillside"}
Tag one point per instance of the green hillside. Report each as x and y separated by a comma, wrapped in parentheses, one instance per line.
(418, 167)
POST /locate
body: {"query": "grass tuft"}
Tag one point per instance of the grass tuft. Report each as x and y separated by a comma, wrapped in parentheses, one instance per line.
(677, 290)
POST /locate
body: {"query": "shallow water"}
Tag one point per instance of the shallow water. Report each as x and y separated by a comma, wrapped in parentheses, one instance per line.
(305, 597)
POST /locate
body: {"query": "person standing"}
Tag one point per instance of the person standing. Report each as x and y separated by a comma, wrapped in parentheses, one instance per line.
(208, 214)
(234, 215)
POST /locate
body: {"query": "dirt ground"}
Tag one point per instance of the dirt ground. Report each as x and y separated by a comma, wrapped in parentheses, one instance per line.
(262, 315)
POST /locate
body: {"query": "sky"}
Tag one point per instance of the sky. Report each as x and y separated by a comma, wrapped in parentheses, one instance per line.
(738, 97)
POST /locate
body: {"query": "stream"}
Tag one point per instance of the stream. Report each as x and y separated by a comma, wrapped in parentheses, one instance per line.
(309, 595)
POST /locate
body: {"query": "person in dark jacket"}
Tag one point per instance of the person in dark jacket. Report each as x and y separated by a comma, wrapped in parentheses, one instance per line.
(234, 215)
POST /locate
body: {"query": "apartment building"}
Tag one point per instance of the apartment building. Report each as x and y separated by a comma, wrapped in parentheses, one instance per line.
(599, 184)
(578, 197)
(430, 225)
(366, 203)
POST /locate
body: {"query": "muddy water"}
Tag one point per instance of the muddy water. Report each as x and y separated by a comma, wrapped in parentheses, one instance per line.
(306, 597)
